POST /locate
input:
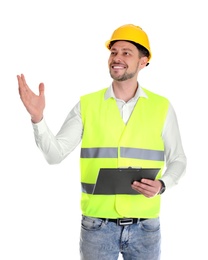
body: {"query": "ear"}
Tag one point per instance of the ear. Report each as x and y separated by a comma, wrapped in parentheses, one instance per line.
(143, 62)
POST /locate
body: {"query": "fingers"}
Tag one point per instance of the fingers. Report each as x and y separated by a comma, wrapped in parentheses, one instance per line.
(22, 83)
(41, 89)
(26, 94)
(148, 188)
(21, 79)
(143, 189)
(23, 87)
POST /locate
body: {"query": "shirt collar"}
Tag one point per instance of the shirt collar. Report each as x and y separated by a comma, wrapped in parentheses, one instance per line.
(139, 93)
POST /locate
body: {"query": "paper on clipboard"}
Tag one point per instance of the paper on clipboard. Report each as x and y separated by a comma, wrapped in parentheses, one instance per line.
(111, 181)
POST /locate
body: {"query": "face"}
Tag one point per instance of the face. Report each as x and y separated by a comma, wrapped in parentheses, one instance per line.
(124, 61)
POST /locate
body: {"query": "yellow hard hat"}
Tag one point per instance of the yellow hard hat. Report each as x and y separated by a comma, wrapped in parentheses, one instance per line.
(130, 32)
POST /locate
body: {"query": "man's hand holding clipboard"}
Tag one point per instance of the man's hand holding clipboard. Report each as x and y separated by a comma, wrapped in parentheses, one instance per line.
(131, 181)
(149, 188)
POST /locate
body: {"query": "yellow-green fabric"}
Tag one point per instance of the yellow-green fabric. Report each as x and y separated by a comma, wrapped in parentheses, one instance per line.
(104, 128)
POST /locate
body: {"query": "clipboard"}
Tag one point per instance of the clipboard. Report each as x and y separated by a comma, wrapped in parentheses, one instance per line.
(111, 181)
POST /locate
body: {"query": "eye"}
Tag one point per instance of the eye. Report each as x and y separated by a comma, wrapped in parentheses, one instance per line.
(113, 53)
(126, 53)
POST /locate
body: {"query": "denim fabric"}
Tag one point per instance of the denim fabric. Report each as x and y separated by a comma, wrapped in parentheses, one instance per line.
(103, 240)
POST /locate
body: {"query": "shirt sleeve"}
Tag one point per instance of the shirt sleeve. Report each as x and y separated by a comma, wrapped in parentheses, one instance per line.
(174, 154)
(57, 147)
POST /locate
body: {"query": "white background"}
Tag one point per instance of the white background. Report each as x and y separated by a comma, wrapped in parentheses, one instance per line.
(61, 43)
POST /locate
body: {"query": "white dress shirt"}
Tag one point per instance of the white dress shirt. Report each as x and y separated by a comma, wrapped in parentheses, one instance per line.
(57, 147)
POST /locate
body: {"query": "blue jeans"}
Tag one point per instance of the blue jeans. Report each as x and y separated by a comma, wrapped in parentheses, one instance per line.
(104, 240)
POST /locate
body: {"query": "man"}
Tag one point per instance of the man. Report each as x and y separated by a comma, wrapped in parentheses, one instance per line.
(123, 125)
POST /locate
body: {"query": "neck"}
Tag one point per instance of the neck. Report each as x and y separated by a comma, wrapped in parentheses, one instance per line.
(125, 90)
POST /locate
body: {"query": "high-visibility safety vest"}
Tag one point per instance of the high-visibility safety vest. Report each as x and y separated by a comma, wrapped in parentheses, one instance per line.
(108, 142)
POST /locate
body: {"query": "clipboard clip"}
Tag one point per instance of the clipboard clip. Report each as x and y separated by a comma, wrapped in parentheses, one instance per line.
(130, 168)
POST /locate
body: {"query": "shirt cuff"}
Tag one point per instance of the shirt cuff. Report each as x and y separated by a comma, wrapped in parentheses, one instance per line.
(40, 127)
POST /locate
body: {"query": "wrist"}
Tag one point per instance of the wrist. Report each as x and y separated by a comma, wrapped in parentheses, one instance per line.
(37, 119)
(163, 188)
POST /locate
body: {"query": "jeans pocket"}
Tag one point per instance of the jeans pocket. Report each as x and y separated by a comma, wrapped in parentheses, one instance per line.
(151, 225)
(89, 223)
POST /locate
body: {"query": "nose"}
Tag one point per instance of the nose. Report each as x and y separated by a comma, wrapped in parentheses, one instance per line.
(117, 58)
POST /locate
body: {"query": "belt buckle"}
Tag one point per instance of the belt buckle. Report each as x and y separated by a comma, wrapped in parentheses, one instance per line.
(124, 221)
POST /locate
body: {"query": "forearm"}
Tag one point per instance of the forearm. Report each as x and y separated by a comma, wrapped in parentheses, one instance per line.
(174, 171)
(47, 143)
(55, 148)
(174, 153)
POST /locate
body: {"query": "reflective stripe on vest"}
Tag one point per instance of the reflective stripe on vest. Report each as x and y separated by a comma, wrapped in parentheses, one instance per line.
(136, 153)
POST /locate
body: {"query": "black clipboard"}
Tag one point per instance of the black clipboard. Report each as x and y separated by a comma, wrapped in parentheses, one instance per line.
(111, 181)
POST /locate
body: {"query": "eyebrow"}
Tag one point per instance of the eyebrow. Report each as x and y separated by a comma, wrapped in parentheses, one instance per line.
(123, 49)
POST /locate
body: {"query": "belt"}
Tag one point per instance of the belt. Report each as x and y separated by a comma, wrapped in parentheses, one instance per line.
(124, 221)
